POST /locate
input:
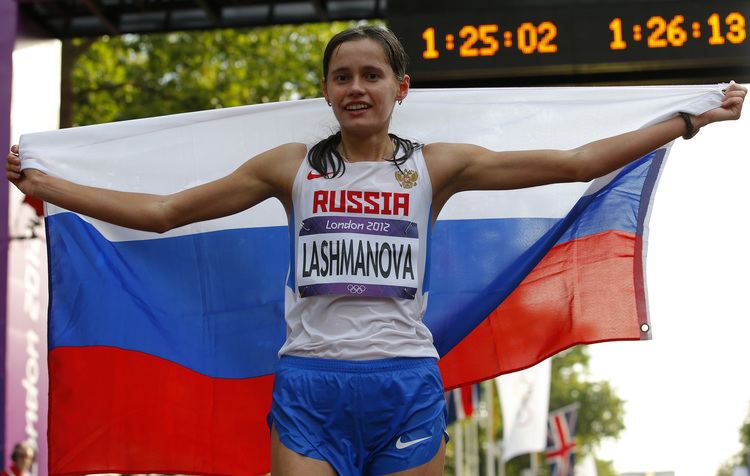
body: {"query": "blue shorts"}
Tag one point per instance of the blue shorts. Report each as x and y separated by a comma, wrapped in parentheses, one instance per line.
(362, 417)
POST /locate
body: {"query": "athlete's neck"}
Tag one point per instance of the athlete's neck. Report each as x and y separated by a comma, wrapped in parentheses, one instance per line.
(374, 148)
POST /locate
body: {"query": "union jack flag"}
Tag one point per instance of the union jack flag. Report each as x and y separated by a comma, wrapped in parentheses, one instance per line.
(561, 427)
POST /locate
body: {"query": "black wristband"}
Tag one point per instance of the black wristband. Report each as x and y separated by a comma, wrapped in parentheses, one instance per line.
(689, 125)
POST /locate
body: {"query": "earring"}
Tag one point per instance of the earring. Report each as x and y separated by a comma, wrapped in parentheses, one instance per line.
(329, 103)
(400, 101)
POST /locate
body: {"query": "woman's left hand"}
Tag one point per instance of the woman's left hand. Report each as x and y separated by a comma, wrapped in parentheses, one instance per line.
(730, 109)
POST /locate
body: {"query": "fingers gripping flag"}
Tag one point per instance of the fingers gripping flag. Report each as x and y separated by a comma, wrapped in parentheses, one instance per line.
(163, 347)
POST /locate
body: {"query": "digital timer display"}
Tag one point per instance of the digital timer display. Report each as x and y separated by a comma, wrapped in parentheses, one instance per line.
(582, 38)
(662, 33)
(481, 40)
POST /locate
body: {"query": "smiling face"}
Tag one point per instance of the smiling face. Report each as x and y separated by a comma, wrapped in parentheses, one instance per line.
(362, 87)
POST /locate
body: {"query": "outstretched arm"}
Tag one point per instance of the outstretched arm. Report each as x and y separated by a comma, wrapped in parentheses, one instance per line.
(270, 174)
(459, 167)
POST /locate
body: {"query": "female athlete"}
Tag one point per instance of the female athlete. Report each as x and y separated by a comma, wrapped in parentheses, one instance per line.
(357, 388)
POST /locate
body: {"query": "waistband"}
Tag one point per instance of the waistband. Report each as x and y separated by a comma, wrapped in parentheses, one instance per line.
(356, 366)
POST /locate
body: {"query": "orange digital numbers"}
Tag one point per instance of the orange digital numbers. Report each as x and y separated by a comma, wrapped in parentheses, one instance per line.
(482, 40)
(626, 32)
(548, 30)
(676, 36)
(666, 33)
(737, 32)
(526, 37)
(429, 37)
(656, 38)
(473, 36)
(617, 42)
(486, 35)
(537, 39)
(663, 33)
(715, 23)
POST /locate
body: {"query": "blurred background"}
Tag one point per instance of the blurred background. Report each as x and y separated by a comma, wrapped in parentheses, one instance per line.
(679, 404)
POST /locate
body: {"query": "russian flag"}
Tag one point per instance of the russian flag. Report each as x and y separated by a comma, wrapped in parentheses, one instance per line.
(163, 347)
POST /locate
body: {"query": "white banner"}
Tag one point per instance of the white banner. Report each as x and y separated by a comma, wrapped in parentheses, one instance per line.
(524, 399)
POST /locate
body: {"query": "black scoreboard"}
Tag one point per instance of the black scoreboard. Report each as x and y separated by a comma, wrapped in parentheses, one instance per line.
(475, 39)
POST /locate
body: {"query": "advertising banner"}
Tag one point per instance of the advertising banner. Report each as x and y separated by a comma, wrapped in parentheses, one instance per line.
(35, 90)
(7, 40)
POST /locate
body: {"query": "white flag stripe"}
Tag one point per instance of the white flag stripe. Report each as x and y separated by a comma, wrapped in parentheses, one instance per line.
(268, 213)
(172, 153)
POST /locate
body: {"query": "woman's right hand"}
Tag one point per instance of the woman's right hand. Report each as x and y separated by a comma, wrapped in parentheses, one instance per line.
(21, 179)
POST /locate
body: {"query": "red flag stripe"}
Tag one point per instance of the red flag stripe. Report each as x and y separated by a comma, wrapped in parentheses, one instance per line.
(120, 400)
(602, 287)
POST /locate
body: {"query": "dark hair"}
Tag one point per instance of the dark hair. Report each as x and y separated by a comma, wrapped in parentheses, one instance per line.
(324, 157)
(22, 447)
(392, 48)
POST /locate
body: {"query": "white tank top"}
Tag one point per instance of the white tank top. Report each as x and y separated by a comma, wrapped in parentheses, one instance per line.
(355, 289)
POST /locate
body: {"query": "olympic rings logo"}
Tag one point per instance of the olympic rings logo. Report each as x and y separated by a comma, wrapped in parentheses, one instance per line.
(356, 288)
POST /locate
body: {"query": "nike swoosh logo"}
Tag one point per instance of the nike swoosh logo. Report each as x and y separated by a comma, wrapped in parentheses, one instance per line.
(405, 444)
(312, 175)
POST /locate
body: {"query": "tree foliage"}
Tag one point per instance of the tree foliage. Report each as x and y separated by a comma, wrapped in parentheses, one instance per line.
(605, 468)
(600, 414)
(601, 411)
(742, 457)
(134, 76)
(745, 434)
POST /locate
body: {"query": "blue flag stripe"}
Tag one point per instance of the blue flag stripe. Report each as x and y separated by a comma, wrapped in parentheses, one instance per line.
(477, 275)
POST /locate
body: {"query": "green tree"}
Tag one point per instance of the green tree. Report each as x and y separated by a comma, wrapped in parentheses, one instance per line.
(605, 468)
(600, 414)
(742, 457)
(601, 411)
(745, 435)
(134, 76)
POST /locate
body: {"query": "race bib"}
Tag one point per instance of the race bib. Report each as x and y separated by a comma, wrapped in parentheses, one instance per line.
(359, 256)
